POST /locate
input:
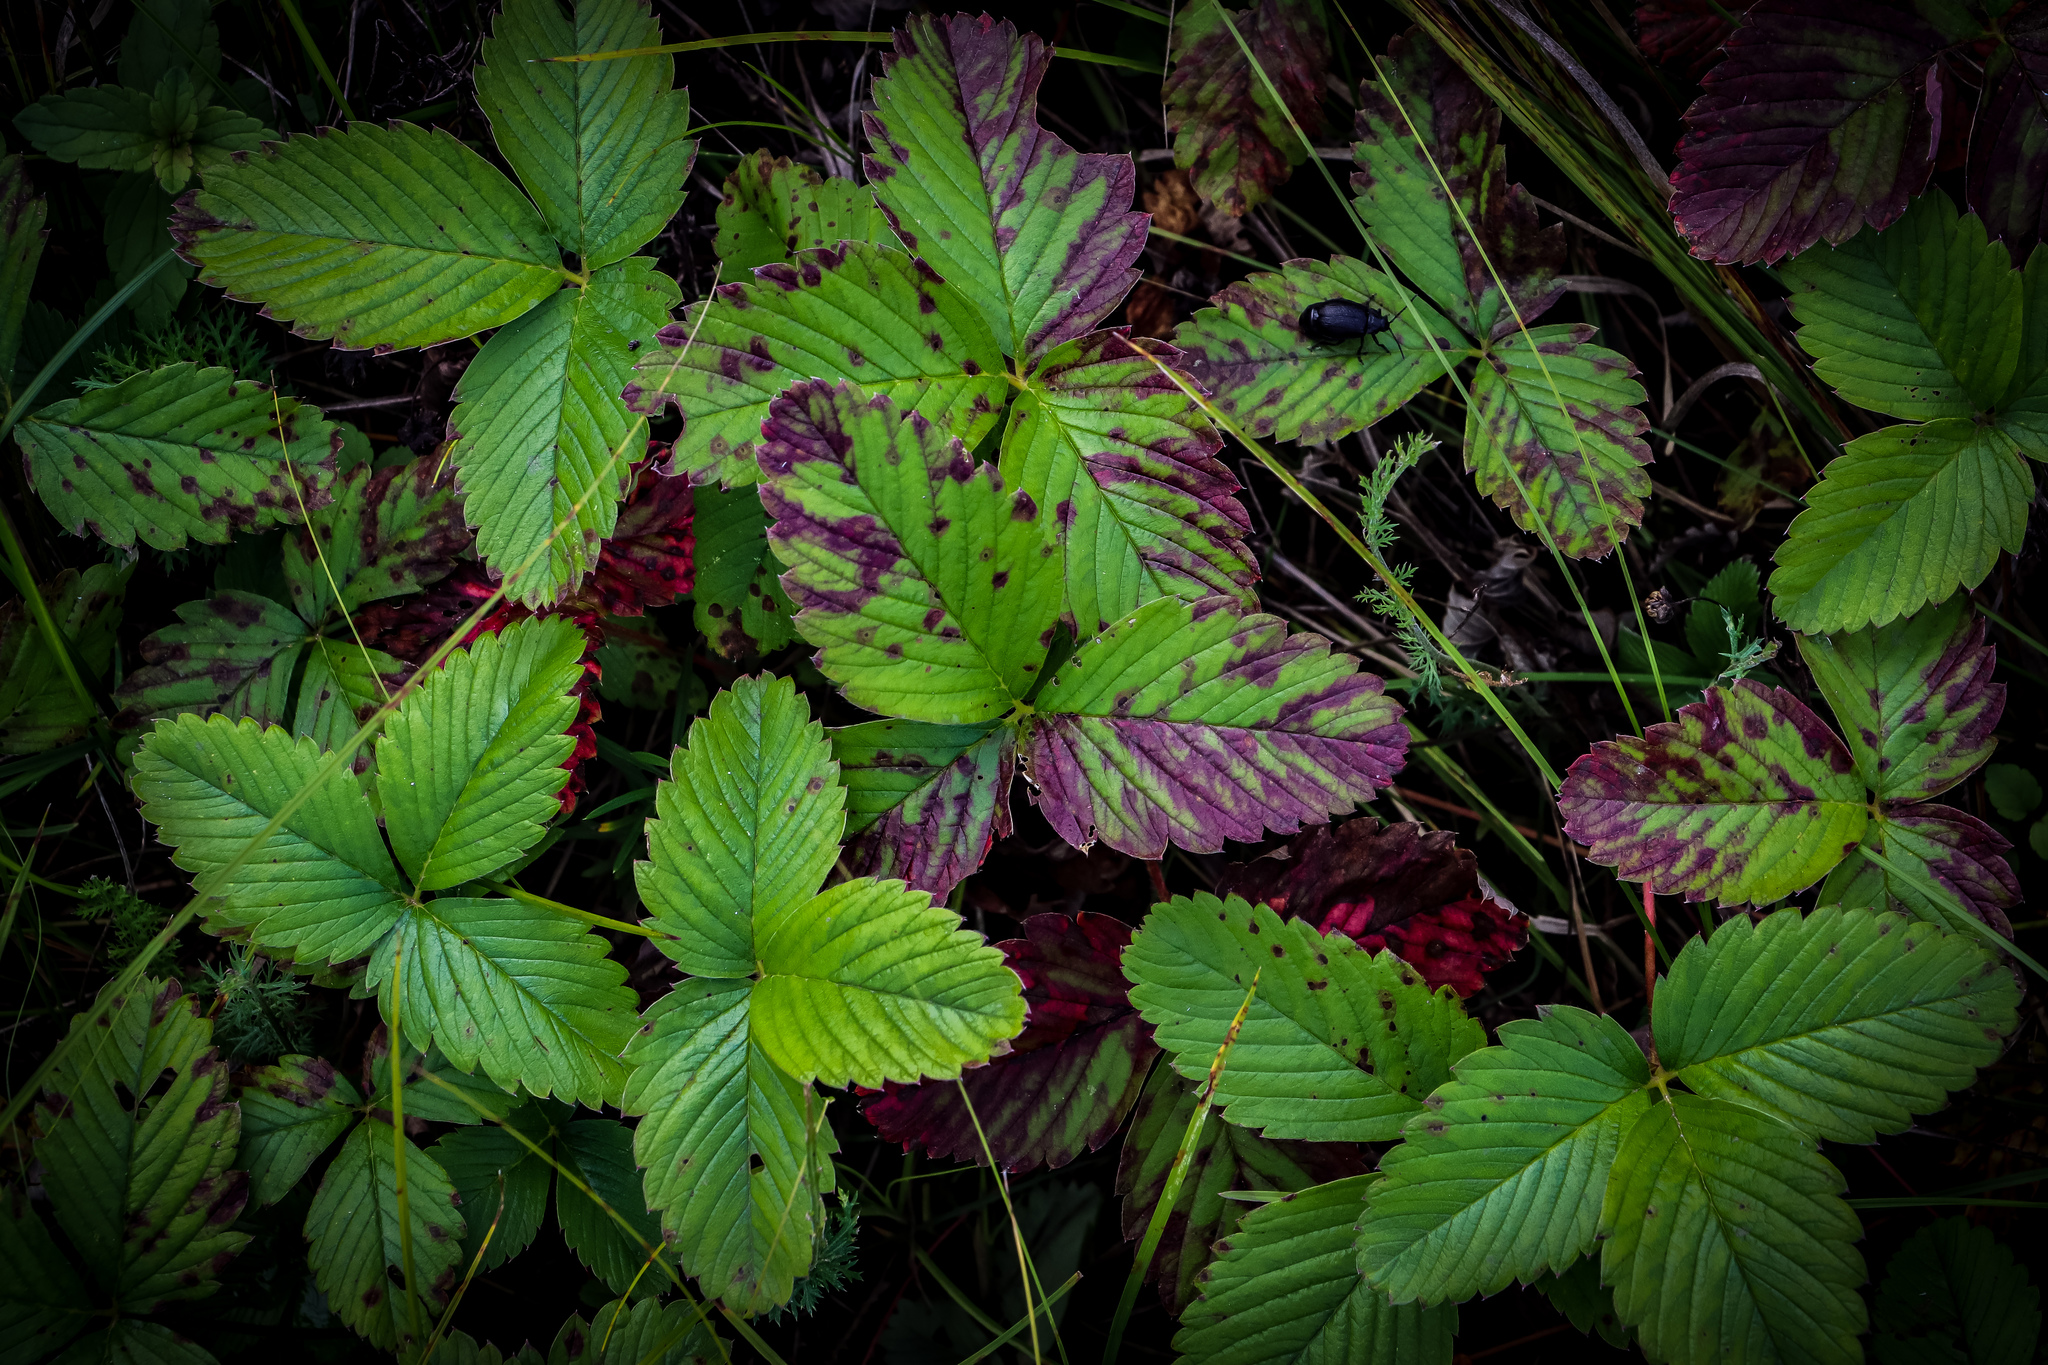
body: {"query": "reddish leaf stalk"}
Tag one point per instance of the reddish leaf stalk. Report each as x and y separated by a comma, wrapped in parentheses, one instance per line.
(1650, 963)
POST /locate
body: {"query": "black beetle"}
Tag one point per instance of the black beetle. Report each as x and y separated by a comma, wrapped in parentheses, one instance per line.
(1335, 320)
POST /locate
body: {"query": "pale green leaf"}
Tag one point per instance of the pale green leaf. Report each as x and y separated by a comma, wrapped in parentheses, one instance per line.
(42, 1301)
(1953, 1293)
(1502, 1178)
(1284, 1292)
(746, 826)
(739, 603)
(471, 762)
(358, 1243)
(39, 708)
(292, 1111)
(599, 145)
(1842, 1023)
(175, 453)
(544, 445)
(737, 1154)
(1902, 517)
(774, 207)
(1339, 1044)
(22, 212)
(1726, 1240)
(868, 982)
(375, 237)
(233, 652)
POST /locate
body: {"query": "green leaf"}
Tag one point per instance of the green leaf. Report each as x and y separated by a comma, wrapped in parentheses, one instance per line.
(774, 207)
(165, 36)
(138, 1173)
(930, 589)
(99, 128)
(1284, 1293)
(1953, 1292)
(1249, 351)
(651, 1333)
(600, 1153)
(176, 453)
(340, 685)
(471, 762)
(1903, 517)
(375, 237)
(740, 605)
(22, 212)
(1915, 698)
(1236, 141)
(1039, 237)
(925, 802)
(638, 665)
(736, 1153)
(501, 1184)
(1502, 1178)
(544, 444)
(1726, 1239)
(2014, 791)
(1746, 797)
(1555, 435)
(2023, 412)
(599, 145)
(1357, 1033)
(867, 314)
(526, 993)
(1192, 723)
(292, 1111)
(1587, 1303)
(435, 1092)
(1921, 320)
(1841, 1023)
(384, 533)
(1951, 866)
(868, 982)
(746, 827)
(39, 709)
(136, 215)
(323, 886)
(43, 1304)
(134, 1341)
(233, 652)
(358, 1242)
(1107, 441)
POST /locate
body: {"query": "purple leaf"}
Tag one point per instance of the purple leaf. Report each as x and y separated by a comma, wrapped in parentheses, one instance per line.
(924, 802)
(868, 314)
(1228, 134)
(1193, 723)
(1683, 32)
(1823, 116)
(1745, 798)
(1957, 852)
(1038, 236)
(1109, 444)
(1068, 1080)
(2006, 176)
(1915, 698)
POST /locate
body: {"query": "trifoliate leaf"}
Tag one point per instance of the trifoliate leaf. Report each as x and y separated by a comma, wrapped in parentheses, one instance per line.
(377, 237)
(43, 1303)
(177, 453)
(1229, 134)
(1915, 698)
(292, 1111)
(1843, 1024)
(599, 145)
(1903, 517)
(774, 207)
(471, 762)
(527, 993)
(323, 886)
(746, 826)
(139, 1171)
(1284, 1292)
(1921, 320)
(867, 314)
(1249, 351)
(1359, 1035)
(39, 708)
(1069, 1079)
(1038, 237)
(737, 1155)
(1725, 1238)
(358, 1243)
(1107, 443)
(22, 213)
(233, 652)
(384, 533)
(1501, 1178)
(1192, 723)
(100, 128)
(1226, 1158)
(1555, 436)
(869, 981)
(1424, 126)
(925, 802)
(1747, 797)
(930, 588)
(544, 446)
(1953, 1292)
(740, 605)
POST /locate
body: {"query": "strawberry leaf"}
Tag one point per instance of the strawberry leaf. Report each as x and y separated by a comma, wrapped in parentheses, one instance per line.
(39, 709)
(774, 207)
(739, 602)
(1954, 1292)
(385, 533)
(646, 561)
(233, 652)
(2006, 176)
(1069, 1079)
(924, 802)
(292, 1111)
(1929, 843)
(1228, 133)
(22, 214)
(359, 1232)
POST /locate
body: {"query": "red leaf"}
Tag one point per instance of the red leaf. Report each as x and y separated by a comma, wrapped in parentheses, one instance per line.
(647, 561)
(1686, 33)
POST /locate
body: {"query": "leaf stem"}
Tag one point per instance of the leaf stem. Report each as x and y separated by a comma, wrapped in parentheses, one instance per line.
(1044, 1307)
(730, 40)
(601, 921)
(291, 12)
